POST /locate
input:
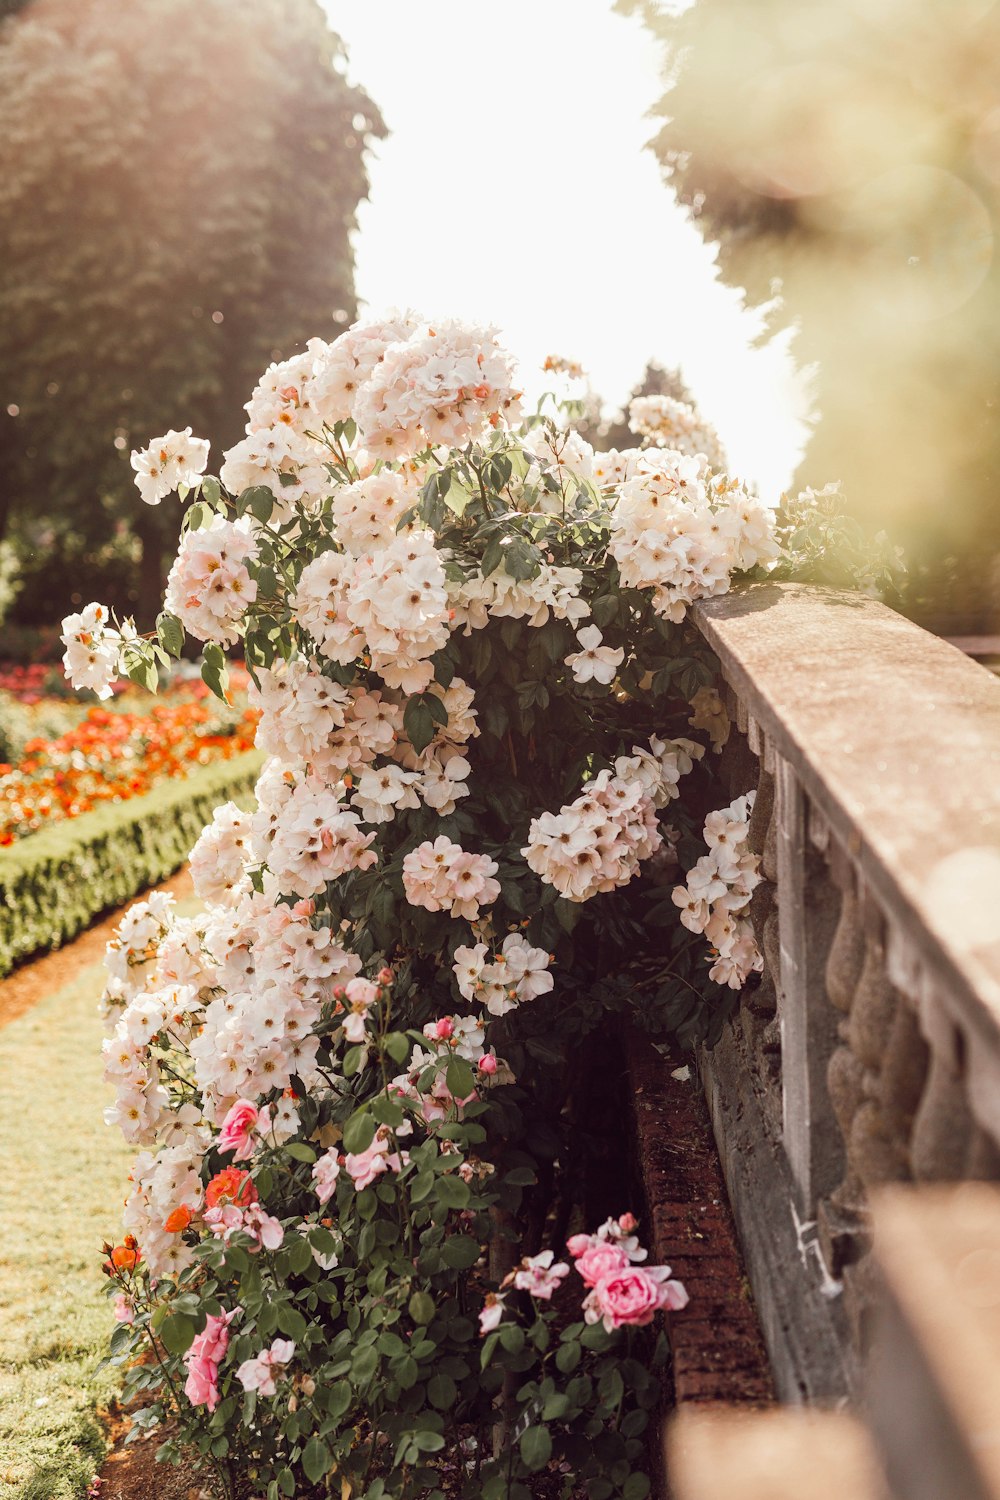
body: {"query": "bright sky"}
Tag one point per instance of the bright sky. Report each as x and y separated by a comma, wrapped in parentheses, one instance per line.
(514, 189)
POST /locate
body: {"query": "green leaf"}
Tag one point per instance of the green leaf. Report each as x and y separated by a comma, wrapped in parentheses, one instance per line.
(214, 670)
(299, 1151)
(442, 1391)
(460, 1252)
(354, 1059)
(316, 1459)
(364, 1365)
(421, 1307)
(460, 1078)
(453, 1192)
(299, 1253)
(170, 634)
(398, 1046)
(177, 1333)
(290, 1320)
(419, 720)
(359, 1132)
(142, 669)
(568, 1357)
(428, 1442)
(605, 609)
(536, 1448)
(636, 1487)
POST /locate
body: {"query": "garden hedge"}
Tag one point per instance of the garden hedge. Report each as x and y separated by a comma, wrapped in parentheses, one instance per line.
(54, 883)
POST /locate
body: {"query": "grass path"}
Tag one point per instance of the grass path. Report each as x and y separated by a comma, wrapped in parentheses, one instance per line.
(61, 1191)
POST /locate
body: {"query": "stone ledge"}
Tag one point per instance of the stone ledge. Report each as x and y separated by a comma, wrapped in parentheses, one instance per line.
(774, 1455)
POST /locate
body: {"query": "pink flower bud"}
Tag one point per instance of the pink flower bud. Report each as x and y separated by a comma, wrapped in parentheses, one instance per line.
(627, 1223)
(385, 976)
(444, 1028)
(488, 1064)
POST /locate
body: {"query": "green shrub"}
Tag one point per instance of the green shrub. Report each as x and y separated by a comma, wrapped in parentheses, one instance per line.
(54, 883)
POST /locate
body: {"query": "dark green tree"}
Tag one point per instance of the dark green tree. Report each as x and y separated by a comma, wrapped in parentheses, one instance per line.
(178, 185)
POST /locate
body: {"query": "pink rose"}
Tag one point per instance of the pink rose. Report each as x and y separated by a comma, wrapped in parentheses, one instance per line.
(123, 1308)
(200, 1387)
(602, 1258)
(203, 1360)
(630, 1298)
(578, 1243)
(364, 1166)
(238, 1129)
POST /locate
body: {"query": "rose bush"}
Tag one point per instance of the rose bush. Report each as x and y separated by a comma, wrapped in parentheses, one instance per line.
(349, 1079)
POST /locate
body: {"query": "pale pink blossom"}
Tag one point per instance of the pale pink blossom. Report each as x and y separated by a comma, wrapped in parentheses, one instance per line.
(492, 1313)
(259, 1374)
(539, 1276)
(324, 1174)
(203, 1359)
(239, 1129)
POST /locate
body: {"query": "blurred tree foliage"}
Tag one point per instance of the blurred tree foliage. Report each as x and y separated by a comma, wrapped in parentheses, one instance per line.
(614, 431)
(178, 183)
(846, 153)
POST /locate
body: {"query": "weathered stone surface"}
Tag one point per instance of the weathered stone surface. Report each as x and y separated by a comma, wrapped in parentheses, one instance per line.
(934, 1395)
(776, 1455)
(895, 737)
(800, 1308)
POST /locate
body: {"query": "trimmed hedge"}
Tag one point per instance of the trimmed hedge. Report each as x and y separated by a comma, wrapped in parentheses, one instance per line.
(54, 883)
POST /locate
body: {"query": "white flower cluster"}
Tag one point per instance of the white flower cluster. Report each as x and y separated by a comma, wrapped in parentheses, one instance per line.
(554, 591)
(390, 606)
(209, 585)
(505, 978)
(142, 1106)
(159, 1184)
(443, 385)
(170, 461)
(674, 535)
(442, 876)
(612, 468)
(315, 839)
(598, 841)
(565, 452)
(367, 513)
(718, 892)
(408, 387)
(221, 1013)
(218, 861)
(93, 649)
(676, 424)
(132, 954)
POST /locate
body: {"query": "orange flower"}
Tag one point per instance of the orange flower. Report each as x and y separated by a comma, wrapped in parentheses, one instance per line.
(126, 1257)
(179, 1220)
(231, 1185)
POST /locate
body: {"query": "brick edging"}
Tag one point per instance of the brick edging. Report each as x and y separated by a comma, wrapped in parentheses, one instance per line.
(718, 1350)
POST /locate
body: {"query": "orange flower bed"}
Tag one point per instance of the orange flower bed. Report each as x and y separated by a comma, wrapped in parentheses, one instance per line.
(114, 754)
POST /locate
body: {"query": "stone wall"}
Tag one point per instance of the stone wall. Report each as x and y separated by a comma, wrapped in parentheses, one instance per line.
(870, 1052)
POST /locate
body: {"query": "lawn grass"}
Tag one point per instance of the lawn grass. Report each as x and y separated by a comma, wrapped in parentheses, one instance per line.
(61, 1191)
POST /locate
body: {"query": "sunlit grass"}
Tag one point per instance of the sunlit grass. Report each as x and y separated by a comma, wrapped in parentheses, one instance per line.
(61, 1189)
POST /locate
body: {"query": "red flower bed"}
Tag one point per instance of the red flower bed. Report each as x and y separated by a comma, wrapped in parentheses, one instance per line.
(113, 754)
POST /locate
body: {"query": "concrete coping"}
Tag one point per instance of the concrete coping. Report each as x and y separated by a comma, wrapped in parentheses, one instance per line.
(784, 1454)
(894, 736)
(934, 1383)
